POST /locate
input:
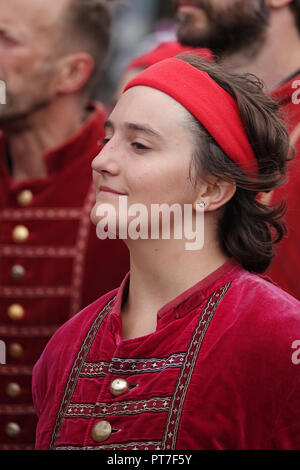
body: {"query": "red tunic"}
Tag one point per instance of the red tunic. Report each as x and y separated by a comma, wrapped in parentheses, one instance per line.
(216, 374)
(285, 269)
(50, 268)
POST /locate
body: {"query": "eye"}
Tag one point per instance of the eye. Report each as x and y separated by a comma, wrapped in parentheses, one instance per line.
(139, 146)
(8, 40)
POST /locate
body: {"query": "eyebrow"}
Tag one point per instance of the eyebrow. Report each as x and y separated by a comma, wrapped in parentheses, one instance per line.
(136, 127)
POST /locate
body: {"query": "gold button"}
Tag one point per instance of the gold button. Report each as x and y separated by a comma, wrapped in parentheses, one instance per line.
(16, 312)
(25, 197)
(12, 430)
(15, 350)
(13, 390)
(17, 271)
(20, 234)
(101, 431)
(118, 387)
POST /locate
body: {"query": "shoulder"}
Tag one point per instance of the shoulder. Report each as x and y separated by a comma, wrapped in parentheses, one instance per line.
(261, 315)
(259, 291)
(73, 330)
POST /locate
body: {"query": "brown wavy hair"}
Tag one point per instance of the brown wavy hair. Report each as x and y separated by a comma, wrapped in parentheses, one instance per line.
(248, 229)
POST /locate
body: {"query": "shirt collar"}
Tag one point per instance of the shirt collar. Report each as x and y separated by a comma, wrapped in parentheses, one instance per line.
(190, 298)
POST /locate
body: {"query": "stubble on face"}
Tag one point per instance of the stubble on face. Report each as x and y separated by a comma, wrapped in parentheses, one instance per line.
(223, 27)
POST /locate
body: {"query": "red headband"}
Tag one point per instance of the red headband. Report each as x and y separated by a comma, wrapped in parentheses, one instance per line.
(214, 108)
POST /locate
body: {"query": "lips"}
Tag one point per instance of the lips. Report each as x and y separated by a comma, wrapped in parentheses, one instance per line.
(105, 189)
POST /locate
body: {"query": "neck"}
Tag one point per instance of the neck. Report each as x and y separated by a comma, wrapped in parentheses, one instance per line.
(277, 58)
(30, 139)
(160, 270)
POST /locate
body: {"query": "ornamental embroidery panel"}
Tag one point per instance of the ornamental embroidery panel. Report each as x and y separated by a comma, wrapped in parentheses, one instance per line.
(184, 377)
(171, 405)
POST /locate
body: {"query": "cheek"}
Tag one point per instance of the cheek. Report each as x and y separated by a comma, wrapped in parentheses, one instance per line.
(162, 183)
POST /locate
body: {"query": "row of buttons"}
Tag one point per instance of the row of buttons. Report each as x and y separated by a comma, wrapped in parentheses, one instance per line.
(102, 430)
(20, 234)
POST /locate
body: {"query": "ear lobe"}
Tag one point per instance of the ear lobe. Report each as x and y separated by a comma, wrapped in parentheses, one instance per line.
(217, 194)
(75, 71)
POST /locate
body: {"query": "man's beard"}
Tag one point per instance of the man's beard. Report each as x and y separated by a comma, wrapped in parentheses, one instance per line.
(228, 30)
(13, 113)
(35, 95)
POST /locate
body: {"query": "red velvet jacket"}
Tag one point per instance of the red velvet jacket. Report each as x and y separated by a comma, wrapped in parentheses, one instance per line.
(285, 269)
(50, 269)
(216, 374)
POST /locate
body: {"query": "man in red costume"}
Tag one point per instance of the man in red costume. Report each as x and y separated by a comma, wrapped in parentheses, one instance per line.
(261, 37)
(52, 263)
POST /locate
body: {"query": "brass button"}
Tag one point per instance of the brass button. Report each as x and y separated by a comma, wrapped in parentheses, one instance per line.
(25, 197)
(15, 312)
(17, 271)
(20, 234)
(15, 350)
(119, 387)
(12, 430)
(101, 431)
(13, 390)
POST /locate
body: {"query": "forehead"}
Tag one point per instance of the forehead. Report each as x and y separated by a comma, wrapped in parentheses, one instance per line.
(151, 107)
(32, 15)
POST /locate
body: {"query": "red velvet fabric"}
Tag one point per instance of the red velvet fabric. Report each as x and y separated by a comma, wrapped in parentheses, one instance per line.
(67, 266)
(216, 374)
(215, 108)
(285, 269)
(164, 51)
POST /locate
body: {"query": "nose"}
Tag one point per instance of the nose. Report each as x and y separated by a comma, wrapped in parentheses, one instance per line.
(106, 161)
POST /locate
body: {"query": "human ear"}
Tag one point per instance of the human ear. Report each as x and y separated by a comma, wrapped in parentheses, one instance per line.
(74, 70)
(214, 194)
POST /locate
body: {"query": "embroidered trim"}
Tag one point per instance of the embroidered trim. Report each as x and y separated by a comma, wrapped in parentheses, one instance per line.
(41, 213)
(141, 366)
(34, 292)
(37, 251)
(184, 377)
(76, 369)
(15, 370)
(16, 447)
(94, 369)
(101, 410)
(146, 445)
(17, 410)
(80, 251)
(28, 331)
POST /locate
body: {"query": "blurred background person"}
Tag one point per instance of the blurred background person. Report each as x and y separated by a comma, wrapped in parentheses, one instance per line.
(163, 51)
(260, 37)
(51, 57)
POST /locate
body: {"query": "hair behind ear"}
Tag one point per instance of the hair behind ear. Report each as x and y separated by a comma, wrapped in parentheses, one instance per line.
(248, 229)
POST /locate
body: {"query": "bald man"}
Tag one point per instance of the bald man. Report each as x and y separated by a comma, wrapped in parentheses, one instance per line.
(52, 264)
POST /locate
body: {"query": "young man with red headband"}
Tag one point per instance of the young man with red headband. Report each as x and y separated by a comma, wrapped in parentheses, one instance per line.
(194, 350)
(261, 37)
